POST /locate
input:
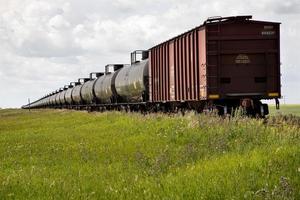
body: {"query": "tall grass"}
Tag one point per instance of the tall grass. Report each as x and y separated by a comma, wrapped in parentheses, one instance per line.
(62, 154)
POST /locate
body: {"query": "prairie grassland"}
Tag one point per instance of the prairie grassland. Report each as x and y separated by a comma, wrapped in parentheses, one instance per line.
(59, 154)
(293, 109)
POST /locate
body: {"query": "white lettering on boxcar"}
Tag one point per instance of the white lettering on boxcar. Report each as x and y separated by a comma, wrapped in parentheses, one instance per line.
(268, 27)
(268, 32)
(242, 59)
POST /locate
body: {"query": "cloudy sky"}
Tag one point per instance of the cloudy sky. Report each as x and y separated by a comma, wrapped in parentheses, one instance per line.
(47, 44)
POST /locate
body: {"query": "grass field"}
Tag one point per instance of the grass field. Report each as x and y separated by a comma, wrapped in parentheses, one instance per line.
(56, 154)
(286, 109)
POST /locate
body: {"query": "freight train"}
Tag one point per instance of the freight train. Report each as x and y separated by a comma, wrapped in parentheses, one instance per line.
(223, 64)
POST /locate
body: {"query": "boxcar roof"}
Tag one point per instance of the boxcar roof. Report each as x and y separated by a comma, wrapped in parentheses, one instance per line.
(218, 20)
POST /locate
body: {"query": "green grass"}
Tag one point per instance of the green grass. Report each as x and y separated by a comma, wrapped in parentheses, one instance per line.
(286, 109)
(52, 154)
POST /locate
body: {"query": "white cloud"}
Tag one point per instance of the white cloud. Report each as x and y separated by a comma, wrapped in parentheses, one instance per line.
(46, 44)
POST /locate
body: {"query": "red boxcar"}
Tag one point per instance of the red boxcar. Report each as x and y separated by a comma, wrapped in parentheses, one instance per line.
(225, 58)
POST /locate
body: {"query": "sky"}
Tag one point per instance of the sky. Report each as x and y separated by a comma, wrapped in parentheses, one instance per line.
(45, 45)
